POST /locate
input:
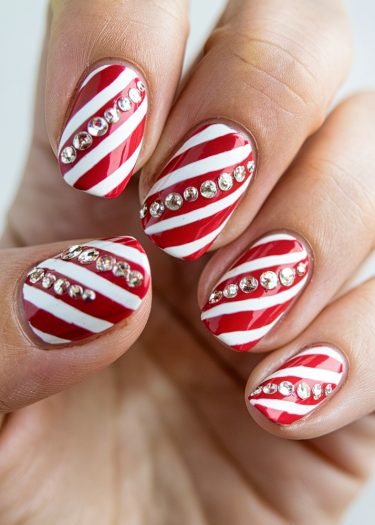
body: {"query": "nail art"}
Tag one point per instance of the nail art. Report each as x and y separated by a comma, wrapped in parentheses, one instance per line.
(198, 190)
(254, 294)
(299, 386)
(102, 139)
(86, 289)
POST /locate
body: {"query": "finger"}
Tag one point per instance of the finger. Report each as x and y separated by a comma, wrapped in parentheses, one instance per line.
(254, 79)
(330, 207)
(111, 66)
(69, 315)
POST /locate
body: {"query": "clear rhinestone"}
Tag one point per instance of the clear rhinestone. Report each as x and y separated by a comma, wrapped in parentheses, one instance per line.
(82, 140)
(157, 209)
(75, 291)
(124, 104)
(328, 389)
(215, 296)
(105, 263)
(173, 201)
(317, 391)
(286, 388)
(135, 95)
(143, 211)
(301, 269)
(134, 279)
(89, 296)
(270, 388)
(61, 286)
(269, 280)
(286, 276)
(225, 181)
(88, 256)
(251, 167)
(191, 194)
(248, 284)
(141, 86)
(239, 173)
(208, 189)
(97, 127)
(112, 115)
(71, 253)
(257, 391)
(36, 275)
(121, 269)
(68, 155)
(230, 291)
(48, 280)
(303, 390)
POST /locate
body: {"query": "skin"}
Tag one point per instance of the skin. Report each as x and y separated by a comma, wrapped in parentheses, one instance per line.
(161, 435)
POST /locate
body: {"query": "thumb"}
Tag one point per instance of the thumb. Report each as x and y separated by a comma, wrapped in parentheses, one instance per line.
(69, 315)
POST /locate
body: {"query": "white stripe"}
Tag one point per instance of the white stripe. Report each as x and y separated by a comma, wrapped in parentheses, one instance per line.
(90, 279)
(92, 74)
(305, 372)
(274, 237)
(126, 252)
(200, 167)
(105, 147)
(323, 350)
(117, 177)
(64, 311)
(283, 406)
(196, 215)
(258, 303)
(212, 132)
(49, 338)
(264, 262)
(247, 336)
(97, 102)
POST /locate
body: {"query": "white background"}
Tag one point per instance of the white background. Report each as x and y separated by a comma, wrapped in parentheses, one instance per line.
(21, 31)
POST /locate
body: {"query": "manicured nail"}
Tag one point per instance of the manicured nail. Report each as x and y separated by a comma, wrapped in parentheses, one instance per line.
(102, 139)
(86, 289)
(302, 384)
(253, 295)
(198, 190)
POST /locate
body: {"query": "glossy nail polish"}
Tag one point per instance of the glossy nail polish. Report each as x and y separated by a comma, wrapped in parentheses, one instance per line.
(103, 135)
(86, 289)
(198, 190)
(254, 294)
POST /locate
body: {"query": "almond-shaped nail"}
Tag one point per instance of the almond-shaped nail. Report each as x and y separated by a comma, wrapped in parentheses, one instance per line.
(254, 294)
(198, 190)
(103, 135)
(299, 386)
(86, 289)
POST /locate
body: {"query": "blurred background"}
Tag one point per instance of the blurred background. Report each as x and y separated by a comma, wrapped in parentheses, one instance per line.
(22, 25)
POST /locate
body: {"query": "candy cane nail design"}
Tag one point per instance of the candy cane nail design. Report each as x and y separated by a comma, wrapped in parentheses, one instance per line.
(198, 190)
(86, 289)
(102, 139)
(253, 295)
(300, 385)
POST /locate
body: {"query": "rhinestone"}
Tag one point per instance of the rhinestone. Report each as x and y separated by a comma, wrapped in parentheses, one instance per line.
(248, 284)
(270, 388)
(82, 140)
(36, 275)
(75, 291)
(88, 256)
(134, 279)
(215, 296)
(269, 280)
(286, 388)
(317, 391)
(225, 181)
(251, 167)
(88, 296)
(143, 211)
(208, 189)
(112, 115)
(71, 253)
(135, 95)
(286, 276)
(121, 269)
(301, 269)
(48, 280)
(61, 286)
(105, 263)
(257, 391)
(124, 104)
(230, 291)
(157, 209)
(68, 155)
(141, 86)
(191, 194)
(173, 201)
(328, 389)
(239, 173)
(97, 127)
(303, 390)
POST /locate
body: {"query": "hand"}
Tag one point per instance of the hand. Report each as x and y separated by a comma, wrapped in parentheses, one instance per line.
(162, 436)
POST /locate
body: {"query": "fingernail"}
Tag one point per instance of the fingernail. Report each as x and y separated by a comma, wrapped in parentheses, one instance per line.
(102, 139)
(253, 295)
(299, 386)
(198, 190)
(86, 289)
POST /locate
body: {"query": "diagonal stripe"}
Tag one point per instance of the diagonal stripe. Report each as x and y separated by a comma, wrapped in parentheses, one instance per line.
(126, 252)
(283, 406)
(323, 350)
(274, 237)
(247, 336)
(214, 131)
(48, 338)
(305, 372)
(92, 75)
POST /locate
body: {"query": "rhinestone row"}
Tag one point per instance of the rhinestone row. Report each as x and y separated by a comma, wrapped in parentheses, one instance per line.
(60, 285)
(268, 280)
(208, 189)
(286, 388)
(98, 126)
